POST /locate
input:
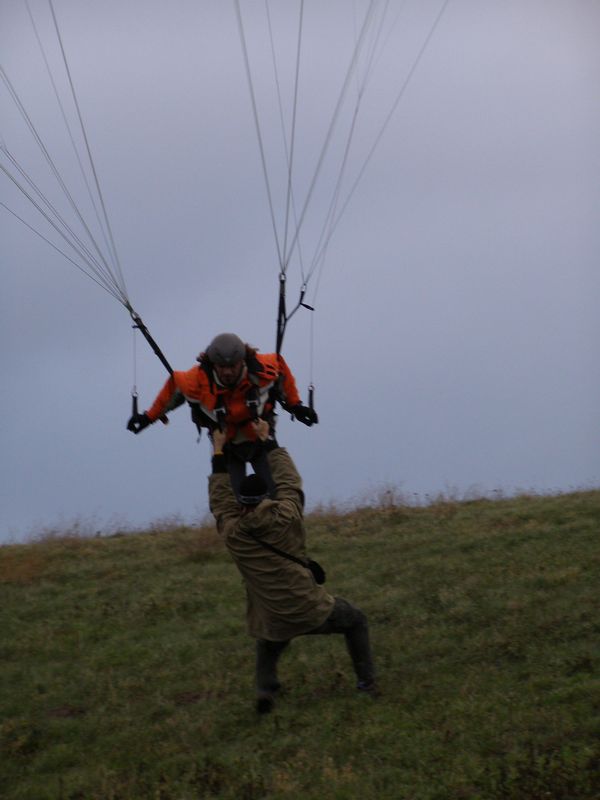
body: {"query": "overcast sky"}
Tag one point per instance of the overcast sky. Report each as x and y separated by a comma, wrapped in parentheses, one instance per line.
(456, 326)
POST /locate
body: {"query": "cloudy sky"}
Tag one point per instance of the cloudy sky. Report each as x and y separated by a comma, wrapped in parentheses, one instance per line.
(456, 328)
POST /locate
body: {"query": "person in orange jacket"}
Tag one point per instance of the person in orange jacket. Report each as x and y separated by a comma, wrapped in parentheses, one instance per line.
(231, 387)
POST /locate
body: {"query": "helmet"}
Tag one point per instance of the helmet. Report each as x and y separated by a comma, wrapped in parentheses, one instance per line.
(226, 349)
(253, 490)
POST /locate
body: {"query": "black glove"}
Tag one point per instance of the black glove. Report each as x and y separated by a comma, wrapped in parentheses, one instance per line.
(138, 422)
(305, 414)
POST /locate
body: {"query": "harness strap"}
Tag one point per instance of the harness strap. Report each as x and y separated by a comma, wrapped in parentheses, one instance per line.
(252, 402)
(314, 567)
(275, 395)
(279, 552)
(281, 314)
(221, 412)
(139, 324)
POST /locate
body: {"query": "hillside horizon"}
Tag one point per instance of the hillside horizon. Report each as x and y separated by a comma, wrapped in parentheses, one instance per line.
(379, 498)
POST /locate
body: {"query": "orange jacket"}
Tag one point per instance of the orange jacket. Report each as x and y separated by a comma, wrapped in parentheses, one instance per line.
(202, 390)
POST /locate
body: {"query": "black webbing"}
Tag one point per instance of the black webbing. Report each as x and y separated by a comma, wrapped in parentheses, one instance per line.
(282, 320)
(282, 553)
(139, 324)
(281, 315)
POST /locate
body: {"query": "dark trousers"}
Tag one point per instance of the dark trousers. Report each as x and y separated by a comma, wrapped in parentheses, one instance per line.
(344, 618)
(238, 457)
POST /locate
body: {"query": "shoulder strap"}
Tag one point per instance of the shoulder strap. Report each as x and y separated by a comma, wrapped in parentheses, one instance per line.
(206, 367)
(313, 567)
(279, 552)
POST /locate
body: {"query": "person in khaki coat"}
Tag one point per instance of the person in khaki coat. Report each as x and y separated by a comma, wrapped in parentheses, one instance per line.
(283, 598)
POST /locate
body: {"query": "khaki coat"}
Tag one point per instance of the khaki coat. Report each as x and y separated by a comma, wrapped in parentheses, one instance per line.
(283, 599)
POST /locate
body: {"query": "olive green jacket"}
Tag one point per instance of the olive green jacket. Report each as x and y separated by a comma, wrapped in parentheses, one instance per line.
(283, 599)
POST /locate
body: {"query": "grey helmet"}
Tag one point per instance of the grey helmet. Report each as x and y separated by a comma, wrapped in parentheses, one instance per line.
(226, 349)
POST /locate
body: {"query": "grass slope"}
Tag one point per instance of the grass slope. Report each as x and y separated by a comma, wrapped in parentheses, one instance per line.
(126, 671)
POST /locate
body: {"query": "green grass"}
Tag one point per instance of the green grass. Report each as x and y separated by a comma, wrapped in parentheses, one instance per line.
(126, 671)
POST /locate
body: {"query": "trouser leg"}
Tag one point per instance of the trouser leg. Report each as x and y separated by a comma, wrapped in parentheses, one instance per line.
(260, 465)
(237, 458)
(237, 473)
(267, 656)
(351, 621)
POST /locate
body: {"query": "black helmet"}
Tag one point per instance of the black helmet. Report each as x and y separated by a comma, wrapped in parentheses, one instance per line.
(253, 490)
(226, 349)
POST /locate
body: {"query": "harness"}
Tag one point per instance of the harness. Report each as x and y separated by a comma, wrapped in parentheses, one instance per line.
(255, 370)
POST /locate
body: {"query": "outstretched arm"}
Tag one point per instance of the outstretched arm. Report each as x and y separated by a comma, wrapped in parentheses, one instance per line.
(287, 480)
(167, 399)
(288, 387)
(223, 504)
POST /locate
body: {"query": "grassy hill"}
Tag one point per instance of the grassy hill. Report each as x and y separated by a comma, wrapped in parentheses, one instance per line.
(126, 671)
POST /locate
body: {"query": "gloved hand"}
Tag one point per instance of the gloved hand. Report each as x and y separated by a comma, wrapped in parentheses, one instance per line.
(305, 414)
(138, 422)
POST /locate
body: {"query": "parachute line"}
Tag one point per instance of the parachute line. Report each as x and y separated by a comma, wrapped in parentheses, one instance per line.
(100, 264)
(326, 231)
(286, 254)
(62, 252)
(54, 218)
(284, 135)
(395, 104)
(88, 149)
(332, 124)
(28, 121)
(293, 130)
(72, 240)
(258, 130)
(319, 258)
(68, 129)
